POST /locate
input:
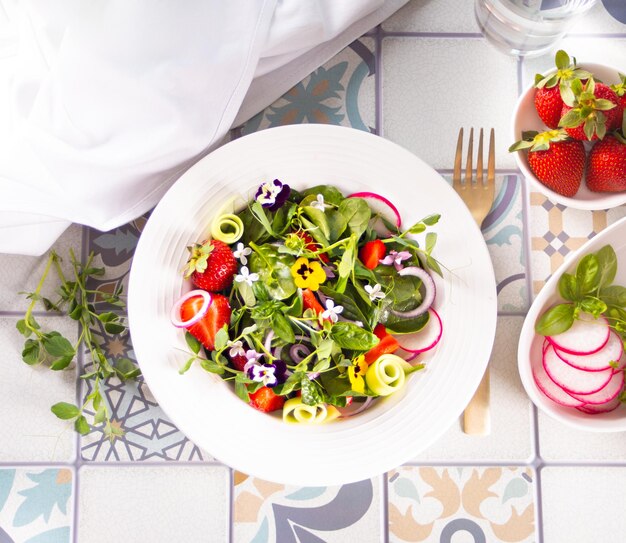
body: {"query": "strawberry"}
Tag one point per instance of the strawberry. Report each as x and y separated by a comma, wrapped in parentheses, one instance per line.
(216, 317)
(620, 90)
(238, 361)
(266, 400)
(380, 331)
(590, 110)
(211, 265)
(548, 100)
(557, 161)
(371, 253)
(309, 301)
(606, 168)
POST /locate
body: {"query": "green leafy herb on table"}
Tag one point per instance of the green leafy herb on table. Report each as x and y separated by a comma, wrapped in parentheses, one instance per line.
(57, 352)
(589, 290)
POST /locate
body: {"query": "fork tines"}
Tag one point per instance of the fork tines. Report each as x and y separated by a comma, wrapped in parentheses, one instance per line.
(491, 166)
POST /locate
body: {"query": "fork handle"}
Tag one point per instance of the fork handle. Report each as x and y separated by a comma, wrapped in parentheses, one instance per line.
(476, 417)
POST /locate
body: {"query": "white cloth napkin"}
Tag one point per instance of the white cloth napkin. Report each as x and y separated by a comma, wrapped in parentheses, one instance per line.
(103, 104)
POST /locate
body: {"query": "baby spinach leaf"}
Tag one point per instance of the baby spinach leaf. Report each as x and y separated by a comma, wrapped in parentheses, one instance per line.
(331, 194)
(350, 336)
(282, 327)
(357, 215)
(405, 325)
(274, 270)
(351, 310)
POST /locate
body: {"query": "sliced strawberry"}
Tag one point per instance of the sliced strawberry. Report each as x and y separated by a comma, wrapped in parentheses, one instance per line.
(309, 301)
(216, 317)
(238, 361)
(388, 344)
(211, 265)
(266, 400)
(371, 253)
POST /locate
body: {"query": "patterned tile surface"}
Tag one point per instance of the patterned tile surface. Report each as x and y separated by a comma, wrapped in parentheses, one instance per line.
(429, 16)
(154, 504)
(581, 505)
(266, 512)
(339, 92)
(36, 505)
(30, 432)
(492, 504)
(510, 437)
(421, 98)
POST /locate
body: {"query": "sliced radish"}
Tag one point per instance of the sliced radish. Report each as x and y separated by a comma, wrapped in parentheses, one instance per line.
(383, 207)
(598, 361)
(607, 407)
(586, 336)
(428, 296)
(573, 380)
(175, 312)
(550, 388)
(426, 338)
(606, 393)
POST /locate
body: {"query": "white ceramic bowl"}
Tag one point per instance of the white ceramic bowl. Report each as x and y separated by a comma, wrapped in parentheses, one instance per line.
(525, 118)
(206, 409)
(530, 344)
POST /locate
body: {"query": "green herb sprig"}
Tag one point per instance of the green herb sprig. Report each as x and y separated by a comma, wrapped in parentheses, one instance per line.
(52, 349)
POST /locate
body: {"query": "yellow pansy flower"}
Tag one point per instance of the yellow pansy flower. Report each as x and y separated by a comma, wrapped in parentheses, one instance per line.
(356, 373)
(308, 274)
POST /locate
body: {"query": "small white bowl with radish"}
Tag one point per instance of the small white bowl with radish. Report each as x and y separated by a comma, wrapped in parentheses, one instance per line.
(571, 353)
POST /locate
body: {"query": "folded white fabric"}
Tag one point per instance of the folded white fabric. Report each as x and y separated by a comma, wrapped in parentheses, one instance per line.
(103, 104)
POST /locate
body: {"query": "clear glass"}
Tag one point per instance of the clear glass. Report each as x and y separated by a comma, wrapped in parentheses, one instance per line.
(527, 27)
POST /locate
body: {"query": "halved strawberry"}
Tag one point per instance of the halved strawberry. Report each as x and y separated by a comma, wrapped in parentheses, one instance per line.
(266, 400)
(211, 265)
(215, 318)
(371, 253)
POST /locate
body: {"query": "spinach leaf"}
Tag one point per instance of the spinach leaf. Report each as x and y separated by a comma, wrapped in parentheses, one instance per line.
(357, 215)
(404, 325)
(351, 310)
(331, 194)
(353, 337)
(274, 270)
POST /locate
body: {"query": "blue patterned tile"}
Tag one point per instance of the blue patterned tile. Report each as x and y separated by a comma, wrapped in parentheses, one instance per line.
(266, 511)
(339, 92)
(149, 434)
(36, 505)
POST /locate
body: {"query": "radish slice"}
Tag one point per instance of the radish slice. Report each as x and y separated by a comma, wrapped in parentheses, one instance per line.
(572, 380)
(598, 361)
(379, 204)
(607, 407)
(429, 292)
(605, 394)
(586, 336)
(175, 312)
(550, 388)
(426, 338)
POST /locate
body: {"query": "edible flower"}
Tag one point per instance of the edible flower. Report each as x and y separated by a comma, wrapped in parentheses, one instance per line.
(246, 277)
(272, 195)
(241, 253)
(332, 311)
(253, 359)
(263, 374)
(395, 258)
(319, 203)
(374, 292)
(308, 274)
(236, 349)
(356, 372)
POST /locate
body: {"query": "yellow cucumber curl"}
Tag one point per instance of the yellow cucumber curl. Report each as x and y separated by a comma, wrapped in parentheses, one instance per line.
(294, 411)
(387, 374)
(227, 228)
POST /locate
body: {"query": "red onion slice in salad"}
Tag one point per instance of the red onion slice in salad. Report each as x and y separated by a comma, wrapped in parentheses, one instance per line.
(355, 408)
(429, 292)
(175, 312)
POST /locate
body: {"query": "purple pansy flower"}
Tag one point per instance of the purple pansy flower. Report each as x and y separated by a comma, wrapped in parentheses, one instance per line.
(395, 258)
(268, 374)
(272, 195)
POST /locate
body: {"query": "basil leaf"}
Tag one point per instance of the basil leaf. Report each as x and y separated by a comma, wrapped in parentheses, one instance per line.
(353, 337)
(593, 305)
(568, 287)
(311, 392)
(587, 274)
(614, 295)
(282, 327)
(607, 261)
(556, 320)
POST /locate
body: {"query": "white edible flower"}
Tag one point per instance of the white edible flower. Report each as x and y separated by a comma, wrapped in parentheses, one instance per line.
(319, 203)
(374, 292)
(332, 311)
(245, 276)
(264, 374)
(396, 258)
(236, 348)
(242, 252)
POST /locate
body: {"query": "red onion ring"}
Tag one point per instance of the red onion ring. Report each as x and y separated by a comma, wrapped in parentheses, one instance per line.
(429, 292)
(295, 352)
(175, 312)
(268, 341)
(350, 410)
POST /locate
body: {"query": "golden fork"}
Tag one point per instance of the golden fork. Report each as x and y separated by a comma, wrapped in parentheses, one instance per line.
(478, 197)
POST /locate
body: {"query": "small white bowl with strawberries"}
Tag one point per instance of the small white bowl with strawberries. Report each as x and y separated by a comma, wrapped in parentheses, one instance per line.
(569, 130)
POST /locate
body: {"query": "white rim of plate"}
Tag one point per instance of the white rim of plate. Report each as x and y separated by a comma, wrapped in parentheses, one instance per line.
(530, 343)
(207, 410)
